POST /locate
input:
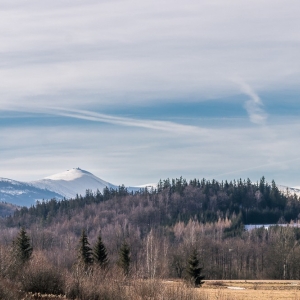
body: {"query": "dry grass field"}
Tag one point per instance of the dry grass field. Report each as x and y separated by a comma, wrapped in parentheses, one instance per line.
(251, 289)
(211, 290)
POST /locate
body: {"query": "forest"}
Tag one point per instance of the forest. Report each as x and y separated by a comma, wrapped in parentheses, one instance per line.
(173, 232)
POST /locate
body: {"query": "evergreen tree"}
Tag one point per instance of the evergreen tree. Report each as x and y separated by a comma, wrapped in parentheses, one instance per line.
(85, 251)
(22, 246)
(100, 253)
(193, 269)
(124, 258)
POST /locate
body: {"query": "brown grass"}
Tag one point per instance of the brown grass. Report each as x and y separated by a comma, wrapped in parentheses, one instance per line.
(254, 289)
(96, 284)
(176, 290)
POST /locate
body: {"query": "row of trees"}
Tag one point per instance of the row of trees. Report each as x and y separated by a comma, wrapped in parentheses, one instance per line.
(176, 200)
(87, 256)
(272, 253)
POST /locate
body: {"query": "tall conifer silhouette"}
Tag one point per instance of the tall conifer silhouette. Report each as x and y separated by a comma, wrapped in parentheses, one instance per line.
(22, 246)
(100, 253)
(85, 251)
(124, 258)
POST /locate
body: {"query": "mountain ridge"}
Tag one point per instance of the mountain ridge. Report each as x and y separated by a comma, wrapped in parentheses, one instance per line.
(67, 184)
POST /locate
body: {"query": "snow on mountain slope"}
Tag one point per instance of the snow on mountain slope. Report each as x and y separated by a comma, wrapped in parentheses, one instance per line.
(288, 190)
(67, 185)
(22, 193)
(72, 182)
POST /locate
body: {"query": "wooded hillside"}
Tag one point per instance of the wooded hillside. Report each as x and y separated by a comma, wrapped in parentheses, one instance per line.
(162, 226)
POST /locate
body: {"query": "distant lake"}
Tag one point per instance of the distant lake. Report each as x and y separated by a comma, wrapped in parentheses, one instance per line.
(266, 226)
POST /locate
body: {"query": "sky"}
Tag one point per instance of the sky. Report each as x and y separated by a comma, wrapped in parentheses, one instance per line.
(137, 91)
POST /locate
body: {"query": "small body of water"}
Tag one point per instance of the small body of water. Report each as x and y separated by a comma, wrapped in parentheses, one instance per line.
(266, 226)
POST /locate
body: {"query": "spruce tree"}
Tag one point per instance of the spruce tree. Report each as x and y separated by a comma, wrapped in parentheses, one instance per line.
(124, 258)
(100, 253)
(22, 246)
(85, 251)
(193, 269)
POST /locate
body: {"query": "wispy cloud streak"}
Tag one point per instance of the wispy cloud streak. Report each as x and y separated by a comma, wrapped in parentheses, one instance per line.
(254, 106)
(109, 119)
(149, 124)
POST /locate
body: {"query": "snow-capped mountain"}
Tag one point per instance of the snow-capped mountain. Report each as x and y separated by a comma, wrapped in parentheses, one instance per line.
(72, 182)
(67, 185)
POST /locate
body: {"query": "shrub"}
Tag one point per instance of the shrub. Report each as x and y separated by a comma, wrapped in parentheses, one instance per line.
(42, 278)
(8, 290)
(94, 285)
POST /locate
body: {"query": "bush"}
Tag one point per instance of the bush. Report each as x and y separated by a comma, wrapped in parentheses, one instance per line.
(8, 290)
(94, 285)
(40, 277)
(151, 288)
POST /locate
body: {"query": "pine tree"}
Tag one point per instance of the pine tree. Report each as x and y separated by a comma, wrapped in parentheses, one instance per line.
(22, 246)
(193, 269)
(100, 253)
(124, 258)
(85, 251)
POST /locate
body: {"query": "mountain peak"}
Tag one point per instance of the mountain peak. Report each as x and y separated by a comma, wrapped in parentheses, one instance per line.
(69, 175)
(72, 182)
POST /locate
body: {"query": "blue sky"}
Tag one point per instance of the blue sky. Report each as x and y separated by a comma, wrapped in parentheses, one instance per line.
(135, 91)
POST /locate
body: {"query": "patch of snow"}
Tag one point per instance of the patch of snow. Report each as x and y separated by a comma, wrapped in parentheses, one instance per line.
(68, 175)
(288, 190)
(266, 226)
(235, 288)
(12, 192)
(14, 182)
(148, 185)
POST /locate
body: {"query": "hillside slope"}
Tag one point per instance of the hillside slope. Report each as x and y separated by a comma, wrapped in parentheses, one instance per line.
(22, 193)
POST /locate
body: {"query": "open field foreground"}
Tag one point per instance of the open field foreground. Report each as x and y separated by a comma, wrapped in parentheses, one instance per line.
(215, 290)
(251, 289)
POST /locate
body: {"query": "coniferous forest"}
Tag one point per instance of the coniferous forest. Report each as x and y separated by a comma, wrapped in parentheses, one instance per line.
(190, 231)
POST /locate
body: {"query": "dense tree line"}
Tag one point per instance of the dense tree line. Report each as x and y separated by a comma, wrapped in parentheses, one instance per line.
(177, 200)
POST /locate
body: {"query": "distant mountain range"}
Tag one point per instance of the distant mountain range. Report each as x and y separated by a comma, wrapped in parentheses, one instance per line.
(67, 185)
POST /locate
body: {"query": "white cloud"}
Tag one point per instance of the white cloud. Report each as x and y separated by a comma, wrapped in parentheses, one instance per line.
(254, 105)
(144, 51)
